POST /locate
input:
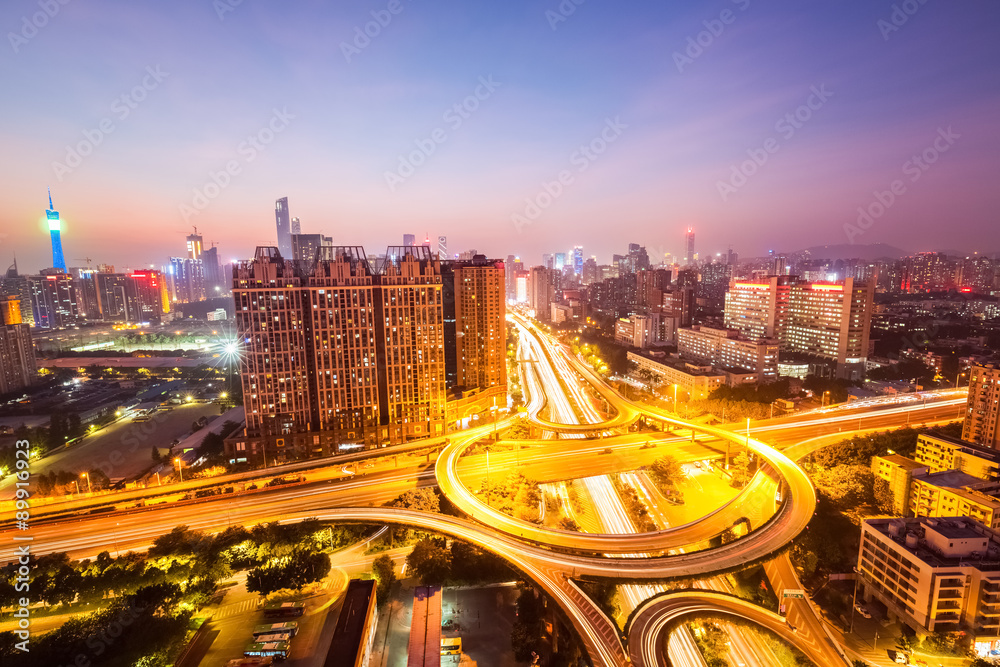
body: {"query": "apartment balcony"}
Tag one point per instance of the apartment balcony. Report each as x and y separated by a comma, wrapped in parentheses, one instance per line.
(951, 583)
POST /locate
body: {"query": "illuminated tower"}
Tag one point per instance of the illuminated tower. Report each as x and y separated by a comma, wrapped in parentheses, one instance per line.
(58, 261)
(689, 255)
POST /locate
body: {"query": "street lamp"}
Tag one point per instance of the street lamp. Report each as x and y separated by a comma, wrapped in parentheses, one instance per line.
(89, 489)
(825, 394)
(180, 468)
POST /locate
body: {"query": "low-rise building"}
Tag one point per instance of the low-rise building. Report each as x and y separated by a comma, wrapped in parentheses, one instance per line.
(940, 453)
(697, 380)
(730, 348)
(935, 575)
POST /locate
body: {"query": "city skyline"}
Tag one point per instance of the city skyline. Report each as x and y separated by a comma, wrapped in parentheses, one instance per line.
(872, 86)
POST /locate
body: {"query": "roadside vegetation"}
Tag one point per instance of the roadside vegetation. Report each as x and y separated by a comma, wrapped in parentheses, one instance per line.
(160, 590)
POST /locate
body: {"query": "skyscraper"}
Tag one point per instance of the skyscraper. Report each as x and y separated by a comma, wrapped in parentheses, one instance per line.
(409, 239)
(296, 226)
(55, 229)
(689, 250)
(284, 226)
(578, 261)
(194, 245)
(442, 248)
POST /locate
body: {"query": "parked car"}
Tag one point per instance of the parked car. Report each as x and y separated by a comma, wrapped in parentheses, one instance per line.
(860, 608)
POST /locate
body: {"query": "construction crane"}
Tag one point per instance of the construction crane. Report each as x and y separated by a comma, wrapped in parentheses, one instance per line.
(84, 259)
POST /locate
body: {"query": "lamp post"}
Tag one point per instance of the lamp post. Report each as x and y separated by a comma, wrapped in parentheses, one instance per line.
(825, 394)
(180, 469)
(89, 488)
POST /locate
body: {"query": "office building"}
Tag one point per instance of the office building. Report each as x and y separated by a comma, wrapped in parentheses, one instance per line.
(827, 322)
(296, 227)
(729, 348)
(283, 224)
(443, 248)
(689, 255)
(695, 380)
(339, 356)
(982, 412)
(18, 368)
(578, 261)
(757, 309)
(936, 575)
(409, 239)
(354, 634)
(55, 236)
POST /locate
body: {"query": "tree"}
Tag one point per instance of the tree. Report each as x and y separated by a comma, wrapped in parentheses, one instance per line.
(883, 496)
(741, 469)
(430, 560)
(385, 575)
(295, 571)
(156, 455)
(424, 500)
(665, 472)
(519, 430)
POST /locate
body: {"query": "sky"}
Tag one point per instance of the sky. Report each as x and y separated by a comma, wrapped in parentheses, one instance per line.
(511, 127)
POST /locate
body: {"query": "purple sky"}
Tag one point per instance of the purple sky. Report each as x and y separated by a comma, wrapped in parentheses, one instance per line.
(682, 125)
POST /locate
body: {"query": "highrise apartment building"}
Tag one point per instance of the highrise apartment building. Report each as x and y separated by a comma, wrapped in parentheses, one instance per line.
(54, 300)
(339, 355)
(475, 325)
(17, 351)
(541, 291)
(982, 412)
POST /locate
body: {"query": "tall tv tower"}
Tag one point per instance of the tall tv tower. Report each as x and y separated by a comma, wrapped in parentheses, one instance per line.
(55, 227)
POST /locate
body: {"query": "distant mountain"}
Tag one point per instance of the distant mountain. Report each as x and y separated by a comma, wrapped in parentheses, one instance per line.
(851, 251)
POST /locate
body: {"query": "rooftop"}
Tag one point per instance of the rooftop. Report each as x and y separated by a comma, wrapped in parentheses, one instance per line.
(902, 461)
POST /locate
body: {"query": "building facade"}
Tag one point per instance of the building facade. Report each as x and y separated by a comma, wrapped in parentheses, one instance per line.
(339, 356)
(730, 349)
(18, 368)
(982, 412)
(935, 575)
